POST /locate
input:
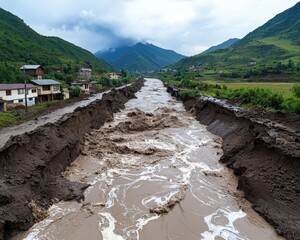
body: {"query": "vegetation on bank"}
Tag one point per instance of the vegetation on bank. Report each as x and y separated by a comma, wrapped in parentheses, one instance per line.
(251, 96)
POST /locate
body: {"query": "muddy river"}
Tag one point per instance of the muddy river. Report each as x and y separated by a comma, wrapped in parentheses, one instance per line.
(154, 174)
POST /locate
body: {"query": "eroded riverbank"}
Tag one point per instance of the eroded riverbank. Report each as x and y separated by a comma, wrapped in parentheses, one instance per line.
(31, 163)
(153, 173)
(264, 152)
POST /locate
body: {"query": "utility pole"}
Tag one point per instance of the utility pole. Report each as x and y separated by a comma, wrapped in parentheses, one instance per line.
(25, 88)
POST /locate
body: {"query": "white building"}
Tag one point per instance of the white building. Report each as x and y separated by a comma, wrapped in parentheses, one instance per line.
(14, 94)
(114, 75)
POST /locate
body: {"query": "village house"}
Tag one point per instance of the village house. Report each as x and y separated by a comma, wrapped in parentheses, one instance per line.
(83, 85)
(35, 71)
(115, 75)
(14, 94)
(84, 72)
(48, 89)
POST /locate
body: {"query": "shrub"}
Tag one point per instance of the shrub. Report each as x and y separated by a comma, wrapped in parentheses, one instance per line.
(188, 93)
(75, 91)
(296, 90)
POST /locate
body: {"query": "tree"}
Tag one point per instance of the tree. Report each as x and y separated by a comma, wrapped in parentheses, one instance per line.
(296, 90)
(124, 73)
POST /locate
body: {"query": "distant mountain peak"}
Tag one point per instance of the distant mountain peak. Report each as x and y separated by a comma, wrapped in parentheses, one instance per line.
(141, 57)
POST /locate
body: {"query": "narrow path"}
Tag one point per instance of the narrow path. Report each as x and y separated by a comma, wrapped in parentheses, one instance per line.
(7, 132)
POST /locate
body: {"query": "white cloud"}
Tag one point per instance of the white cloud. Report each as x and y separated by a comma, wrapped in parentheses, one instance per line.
(187, 26)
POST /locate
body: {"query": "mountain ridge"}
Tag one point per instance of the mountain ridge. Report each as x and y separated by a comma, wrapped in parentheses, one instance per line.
(273, 48)
(222, 45)
(140, 57)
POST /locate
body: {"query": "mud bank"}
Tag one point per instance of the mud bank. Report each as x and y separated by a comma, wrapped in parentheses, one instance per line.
(31, 164)
(264, 154)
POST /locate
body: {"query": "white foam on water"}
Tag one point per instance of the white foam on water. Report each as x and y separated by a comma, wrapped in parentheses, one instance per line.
(55, 213)
(108, 232)
(143, 221)
(226, 231)
(37, 229)
(142, 145)
(160, 200)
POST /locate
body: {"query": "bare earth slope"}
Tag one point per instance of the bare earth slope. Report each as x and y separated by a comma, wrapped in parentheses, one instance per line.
(264, 154)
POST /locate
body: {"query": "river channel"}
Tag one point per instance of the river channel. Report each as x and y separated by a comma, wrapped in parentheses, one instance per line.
(154, 174)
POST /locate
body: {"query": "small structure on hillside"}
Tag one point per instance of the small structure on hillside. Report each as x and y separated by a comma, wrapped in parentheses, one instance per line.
(14, 94)
(114, 75)
(48, 90)
(35, 71)
(251, 64)
(84, 72)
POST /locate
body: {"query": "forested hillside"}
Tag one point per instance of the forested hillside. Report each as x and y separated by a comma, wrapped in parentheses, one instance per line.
(19, 45)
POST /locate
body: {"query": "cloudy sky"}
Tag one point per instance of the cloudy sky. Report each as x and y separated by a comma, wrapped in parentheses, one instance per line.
(186, 26)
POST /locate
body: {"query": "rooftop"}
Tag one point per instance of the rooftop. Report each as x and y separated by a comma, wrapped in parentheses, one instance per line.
(15, 86)
(85, 70)
(28, 67)
(42, 82)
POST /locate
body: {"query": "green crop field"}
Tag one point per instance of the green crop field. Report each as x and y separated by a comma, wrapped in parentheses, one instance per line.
(283, 88)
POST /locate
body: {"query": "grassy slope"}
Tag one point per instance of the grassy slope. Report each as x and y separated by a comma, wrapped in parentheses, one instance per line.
(276, 41)
(20, 44)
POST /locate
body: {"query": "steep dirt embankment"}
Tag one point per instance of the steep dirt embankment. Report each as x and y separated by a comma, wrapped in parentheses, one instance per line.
(31, 164)
(264, 154)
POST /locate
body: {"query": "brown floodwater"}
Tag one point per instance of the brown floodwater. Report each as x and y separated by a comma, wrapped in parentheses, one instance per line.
(154, 174)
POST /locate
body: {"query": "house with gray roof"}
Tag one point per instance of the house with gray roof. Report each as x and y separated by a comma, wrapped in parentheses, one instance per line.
(35, 71)
(48, 90)
(14, 94)
(85, 73)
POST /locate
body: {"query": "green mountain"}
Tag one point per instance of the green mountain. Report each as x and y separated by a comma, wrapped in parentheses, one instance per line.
(140, 57)
(19, 44)
(271, 50)
(223, 45)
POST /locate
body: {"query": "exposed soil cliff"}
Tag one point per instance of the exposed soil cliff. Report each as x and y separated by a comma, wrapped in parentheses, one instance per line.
(264, 154)
(31, 164)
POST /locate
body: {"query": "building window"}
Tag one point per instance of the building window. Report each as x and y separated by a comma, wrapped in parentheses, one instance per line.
(21, 91)
(20, 100)
(46, 88)
(8, 92)
(56, 88)
(33, 90)
(30, 99)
